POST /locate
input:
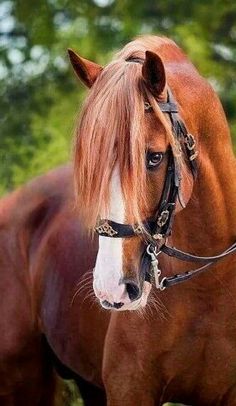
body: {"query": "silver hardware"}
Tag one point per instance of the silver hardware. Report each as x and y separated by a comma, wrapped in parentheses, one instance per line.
(194, 156)
(190, 141)
(162, 219)
(153, 252)
(106, 228)
(157, 236)
(138, 229)
(162, 287)
(147, 106)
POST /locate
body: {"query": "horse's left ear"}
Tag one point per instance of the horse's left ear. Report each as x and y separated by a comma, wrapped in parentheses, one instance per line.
(153, 72)
(86, 71)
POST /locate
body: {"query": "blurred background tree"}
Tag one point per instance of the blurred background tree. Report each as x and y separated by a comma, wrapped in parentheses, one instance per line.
(39, 95)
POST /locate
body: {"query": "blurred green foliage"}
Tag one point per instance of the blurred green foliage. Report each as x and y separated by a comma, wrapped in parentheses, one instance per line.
(70, 395)
(39, 95)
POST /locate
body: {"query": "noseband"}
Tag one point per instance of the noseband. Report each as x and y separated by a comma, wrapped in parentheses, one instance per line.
(156, 230)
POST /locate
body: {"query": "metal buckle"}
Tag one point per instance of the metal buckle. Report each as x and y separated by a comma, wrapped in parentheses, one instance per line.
(106, 228)
(162, 219)
(154, 252)
(162, 287)
(190, 141)
(147, 106)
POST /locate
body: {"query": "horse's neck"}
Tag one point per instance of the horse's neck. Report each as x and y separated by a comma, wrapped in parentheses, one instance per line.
(208, 225)
(213, 205)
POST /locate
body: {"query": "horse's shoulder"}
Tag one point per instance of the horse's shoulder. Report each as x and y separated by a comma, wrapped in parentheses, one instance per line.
(17, 206)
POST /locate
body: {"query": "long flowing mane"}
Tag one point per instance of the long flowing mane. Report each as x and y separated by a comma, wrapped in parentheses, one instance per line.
(111, 130)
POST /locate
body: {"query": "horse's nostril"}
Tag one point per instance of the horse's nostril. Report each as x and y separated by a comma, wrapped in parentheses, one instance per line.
(133, 291)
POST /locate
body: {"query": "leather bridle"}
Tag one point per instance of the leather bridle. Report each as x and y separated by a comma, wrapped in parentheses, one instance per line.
(155, 231)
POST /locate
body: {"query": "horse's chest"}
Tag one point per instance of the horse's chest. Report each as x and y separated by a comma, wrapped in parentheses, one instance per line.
(201, 367)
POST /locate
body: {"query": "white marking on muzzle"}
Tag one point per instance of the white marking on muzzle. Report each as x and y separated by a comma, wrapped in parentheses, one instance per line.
(109, 263)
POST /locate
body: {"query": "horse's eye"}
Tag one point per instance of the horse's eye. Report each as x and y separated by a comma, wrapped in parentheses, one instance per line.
(154, 159)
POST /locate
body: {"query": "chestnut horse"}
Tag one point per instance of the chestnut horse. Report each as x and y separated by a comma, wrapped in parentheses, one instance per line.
(154, 159)
(179, 343)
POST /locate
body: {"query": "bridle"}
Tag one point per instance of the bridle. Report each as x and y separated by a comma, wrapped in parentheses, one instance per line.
(156, 230)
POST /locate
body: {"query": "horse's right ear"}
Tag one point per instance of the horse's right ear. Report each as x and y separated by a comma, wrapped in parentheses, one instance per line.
(153, 72)
(86, 71)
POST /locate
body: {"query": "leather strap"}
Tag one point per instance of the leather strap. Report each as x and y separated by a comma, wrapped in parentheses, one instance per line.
(135, 60)
(153, 229)
(183, 256)
(169, 107)
(187, 141)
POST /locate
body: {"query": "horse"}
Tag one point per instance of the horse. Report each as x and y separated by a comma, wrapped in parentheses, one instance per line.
(154, 174)
(153, 159)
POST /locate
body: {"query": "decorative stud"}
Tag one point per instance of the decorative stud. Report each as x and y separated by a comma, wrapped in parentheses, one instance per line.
(106, 228)
(147, 106)
(157, 236)
(194, 156)
(162, 219)
(190, 141)
(138, 229)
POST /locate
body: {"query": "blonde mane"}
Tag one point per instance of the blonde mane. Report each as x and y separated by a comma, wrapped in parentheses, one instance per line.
(111, 130)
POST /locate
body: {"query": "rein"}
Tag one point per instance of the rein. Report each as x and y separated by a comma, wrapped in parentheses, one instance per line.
(155, 231)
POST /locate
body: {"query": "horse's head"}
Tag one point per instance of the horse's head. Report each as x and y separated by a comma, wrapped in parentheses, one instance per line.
(124, 149)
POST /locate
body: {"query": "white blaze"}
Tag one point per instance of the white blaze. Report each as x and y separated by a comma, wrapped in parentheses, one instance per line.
(109, 263)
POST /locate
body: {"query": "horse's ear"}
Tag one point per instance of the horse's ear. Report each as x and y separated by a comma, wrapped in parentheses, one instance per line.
(86, 71)
(153, 72)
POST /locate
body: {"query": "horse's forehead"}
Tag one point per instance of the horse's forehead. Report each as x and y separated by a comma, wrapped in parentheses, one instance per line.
(156, 136)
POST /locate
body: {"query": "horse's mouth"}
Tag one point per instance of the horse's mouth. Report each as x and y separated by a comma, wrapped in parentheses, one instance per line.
(132, 306)
(121, 306)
